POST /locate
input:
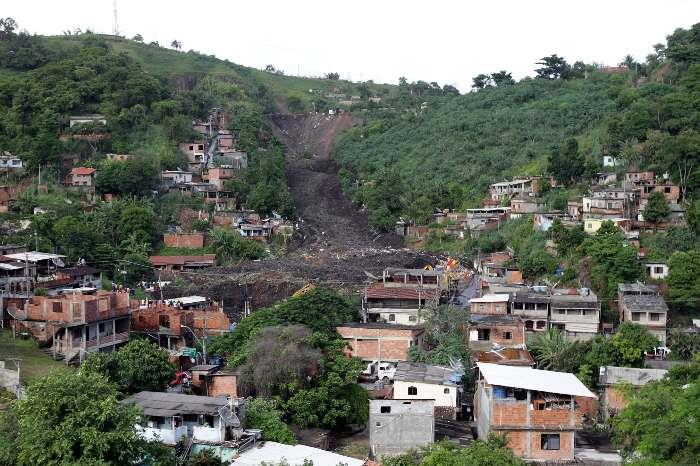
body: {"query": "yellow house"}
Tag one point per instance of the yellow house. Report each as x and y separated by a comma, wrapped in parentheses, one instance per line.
(592, 225)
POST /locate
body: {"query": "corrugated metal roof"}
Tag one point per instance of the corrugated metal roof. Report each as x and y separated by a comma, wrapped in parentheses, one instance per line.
(533, 379)
(425, 373)
(170, 404)
(294, 455)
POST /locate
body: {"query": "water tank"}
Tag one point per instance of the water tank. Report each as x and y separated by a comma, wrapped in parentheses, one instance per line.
(499, 392)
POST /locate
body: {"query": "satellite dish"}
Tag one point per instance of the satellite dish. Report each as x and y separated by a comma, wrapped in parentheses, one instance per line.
(230, 419)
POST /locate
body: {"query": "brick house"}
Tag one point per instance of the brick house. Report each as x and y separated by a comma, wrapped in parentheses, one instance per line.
(172, 322)
(177, 263)
(519, 186)
(534, 409)
(407, 306)
(487, 331)
(217, 176)
(612, 401)
(417, 381)
(210, 380)
(83, 178)
(495, 304)
(643, 304)
(184, 240)
(382, 342)
(77, 324)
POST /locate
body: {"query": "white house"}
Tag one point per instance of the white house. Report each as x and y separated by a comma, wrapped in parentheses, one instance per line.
(610, 161)
(417, 381)
(656, 270)
(168, 417)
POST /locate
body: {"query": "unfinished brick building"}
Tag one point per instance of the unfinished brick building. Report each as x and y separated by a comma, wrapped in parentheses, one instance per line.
(487, 331)
(172, 322)
(184, 240)
(379, 341)
(534, 409)
(77, 324)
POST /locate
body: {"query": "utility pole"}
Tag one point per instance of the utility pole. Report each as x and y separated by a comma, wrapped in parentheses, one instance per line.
(115, 23)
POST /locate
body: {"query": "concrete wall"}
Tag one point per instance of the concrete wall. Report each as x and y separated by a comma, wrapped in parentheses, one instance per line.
(9, 378)
(445, 403)
(223, 384)
(407, 424)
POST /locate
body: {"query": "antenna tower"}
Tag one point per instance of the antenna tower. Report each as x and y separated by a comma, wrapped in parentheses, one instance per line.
(115, 23)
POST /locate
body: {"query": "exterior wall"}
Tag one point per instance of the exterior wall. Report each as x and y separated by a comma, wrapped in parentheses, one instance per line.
(366, 342)
(214, 321)
(657, 271)
(527, 444)
(81, 180)
(524, 427)
(497, 335)
(400, 316)
(498, 308)
(184, 240)
(409, 424)
(656, 327)
(223, 384)
(426, 391)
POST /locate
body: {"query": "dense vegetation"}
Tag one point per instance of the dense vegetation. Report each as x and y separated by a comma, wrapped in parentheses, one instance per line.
(290, 352)
(444, 156)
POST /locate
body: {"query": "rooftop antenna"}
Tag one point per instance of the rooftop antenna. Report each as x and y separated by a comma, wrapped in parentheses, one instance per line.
(115, 23)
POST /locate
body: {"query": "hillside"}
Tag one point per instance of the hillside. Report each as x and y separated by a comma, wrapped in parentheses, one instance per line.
(478, 138)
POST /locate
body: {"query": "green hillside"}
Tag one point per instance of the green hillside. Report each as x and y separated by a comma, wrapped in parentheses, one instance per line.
(408, 163)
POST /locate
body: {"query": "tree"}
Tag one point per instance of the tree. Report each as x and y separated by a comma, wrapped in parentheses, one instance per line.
(656, 209)
(631, 341)
(205, 457)
(548, 348)
(553, 67)
(282, 355)
(567, 163)
(230, 247)
(502, 78)
(658, 425)
(71, 418)
(176, 44)
(138, 366)
(683, 345)
(7, 28)
(137, 38)
(332, 76)
(482, 81)
(264, 414)
(479, 453)
(684, 279)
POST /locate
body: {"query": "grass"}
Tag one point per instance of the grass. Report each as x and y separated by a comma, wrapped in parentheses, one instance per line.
(34, 363)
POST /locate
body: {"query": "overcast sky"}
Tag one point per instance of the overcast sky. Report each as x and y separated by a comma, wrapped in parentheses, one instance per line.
(444, 41)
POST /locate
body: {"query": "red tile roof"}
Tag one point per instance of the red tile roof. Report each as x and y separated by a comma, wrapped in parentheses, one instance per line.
(82, 171)
(400, 293)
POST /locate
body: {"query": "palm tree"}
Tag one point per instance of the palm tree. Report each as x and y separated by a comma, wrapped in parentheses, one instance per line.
(548, 347)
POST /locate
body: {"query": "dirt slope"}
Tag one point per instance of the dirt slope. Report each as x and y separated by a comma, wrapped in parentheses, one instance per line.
(328, 220)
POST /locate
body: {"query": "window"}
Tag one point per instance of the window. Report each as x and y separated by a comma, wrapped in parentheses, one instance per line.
(446, 391)
(484, 334)
(549, 441)
(392, 317)
(528, 325)
(636, 316)
(412, 318)
(667, 190)
(561, 311)
(164, 320)
(507, 335)
(412, 391)
(654, 316)
(658, 270)
(541, 324)
(378, 424)
(385, 409)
